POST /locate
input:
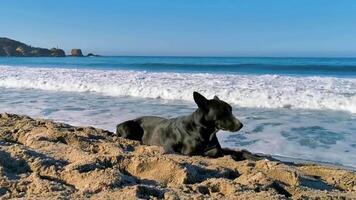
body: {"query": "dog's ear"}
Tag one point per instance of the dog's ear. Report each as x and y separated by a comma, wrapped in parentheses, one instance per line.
(200, 100)
(216, 98)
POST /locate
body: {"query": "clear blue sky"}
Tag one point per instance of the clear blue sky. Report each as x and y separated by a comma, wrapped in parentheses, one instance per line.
(185, 27)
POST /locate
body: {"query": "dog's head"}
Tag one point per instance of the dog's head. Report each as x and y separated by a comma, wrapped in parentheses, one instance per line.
(218, 112)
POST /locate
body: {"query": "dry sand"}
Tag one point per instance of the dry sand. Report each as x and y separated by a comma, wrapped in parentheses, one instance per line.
(40, 159)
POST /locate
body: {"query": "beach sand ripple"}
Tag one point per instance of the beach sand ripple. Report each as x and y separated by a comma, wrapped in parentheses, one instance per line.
(41, 159)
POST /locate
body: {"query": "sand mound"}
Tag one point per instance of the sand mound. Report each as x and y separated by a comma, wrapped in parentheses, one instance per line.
(45, 160)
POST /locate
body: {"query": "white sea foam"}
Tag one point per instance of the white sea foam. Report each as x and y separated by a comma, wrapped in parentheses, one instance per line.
(269, 91)
(319, 135)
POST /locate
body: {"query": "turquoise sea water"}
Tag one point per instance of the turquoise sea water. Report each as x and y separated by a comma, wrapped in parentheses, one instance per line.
(237, 65)
(301, 108)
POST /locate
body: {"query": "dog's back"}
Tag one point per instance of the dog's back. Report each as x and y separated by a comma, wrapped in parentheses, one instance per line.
(137, 128)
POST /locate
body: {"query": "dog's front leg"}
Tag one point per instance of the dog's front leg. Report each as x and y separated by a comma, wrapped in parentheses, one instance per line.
(213, 149)
(213, 152)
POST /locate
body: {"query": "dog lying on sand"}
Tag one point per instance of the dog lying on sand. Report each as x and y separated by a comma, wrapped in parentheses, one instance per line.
(194, 134)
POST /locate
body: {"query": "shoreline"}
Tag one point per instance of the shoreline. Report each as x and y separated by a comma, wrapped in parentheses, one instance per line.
(286, 159)
(281, 158)
(44, 159)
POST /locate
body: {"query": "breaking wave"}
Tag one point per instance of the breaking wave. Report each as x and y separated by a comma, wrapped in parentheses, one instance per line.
(268, 91)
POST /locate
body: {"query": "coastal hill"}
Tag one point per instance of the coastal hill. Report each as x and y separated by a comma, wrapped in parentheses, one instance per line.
(41, 159)
(9, 47)
(13, 48)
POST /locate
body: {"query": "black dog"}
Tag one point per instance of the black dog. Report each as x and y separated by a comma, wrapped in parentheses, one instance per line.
(194, 134)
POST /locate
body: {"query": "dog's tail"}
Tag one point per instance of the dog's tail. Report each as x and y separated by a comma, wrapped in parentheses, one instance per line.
(130, 130)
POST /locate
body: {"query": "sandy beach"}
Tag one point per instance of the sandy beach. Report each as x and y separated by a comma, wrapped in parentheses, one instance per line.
(177, 100)
(41, 159)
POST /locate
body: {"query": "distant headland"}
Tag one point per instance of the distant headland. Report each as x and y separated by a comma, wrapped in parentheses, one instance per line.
(13, 48)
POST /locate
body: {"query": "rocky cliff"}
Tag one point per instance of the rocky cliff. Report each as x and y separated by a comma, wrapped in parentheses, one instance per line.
(9, 47)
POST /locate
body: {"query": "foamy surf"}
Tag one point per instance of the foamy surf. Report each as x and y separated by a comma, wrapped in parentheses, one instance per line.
(315, 135)
(266, 91)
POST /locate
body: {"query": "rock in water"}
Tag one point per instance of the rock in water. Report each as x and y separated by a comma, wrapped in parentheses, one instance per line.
(92, 55)
(76, 53)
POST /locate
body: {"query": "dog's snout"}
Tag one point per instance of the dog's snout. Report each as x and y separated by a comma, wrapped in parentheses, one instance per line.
(229, 124)
(238, 125)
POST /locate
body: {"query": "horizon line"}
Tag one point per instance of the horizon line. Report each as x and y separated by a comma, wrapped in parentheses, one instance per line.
(215, 56)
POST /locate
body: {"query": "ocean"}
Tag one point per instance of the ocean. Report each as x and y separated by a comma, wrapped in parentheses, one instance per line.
(295, 108)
